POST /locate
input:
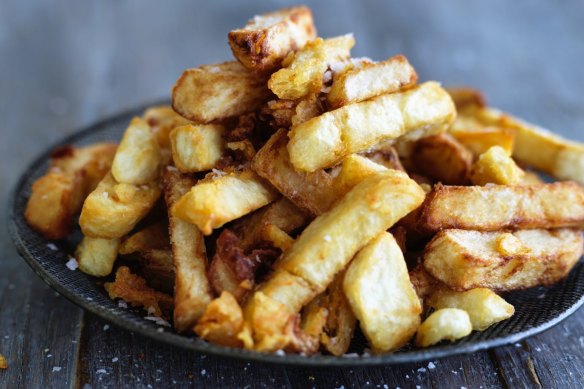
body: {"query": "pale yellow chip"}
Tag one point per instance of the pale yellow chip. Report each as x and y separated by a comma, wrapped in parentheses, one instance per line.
(220, 199)
(96, 256)
(197, 147)
(381, 295)
(444, 324)
(138, 157)
(495, 166)
(325, 140)
(484, 307)
(303, 71)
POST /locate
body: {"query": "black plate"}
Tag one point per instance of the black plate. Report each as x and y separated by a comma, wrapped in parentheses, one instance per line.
(536, 309)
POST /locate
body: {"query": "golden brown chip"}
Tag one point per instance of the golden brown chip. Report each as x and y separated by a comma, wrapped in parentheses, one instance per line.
(266, 39)
(221, 322)
(497, 207)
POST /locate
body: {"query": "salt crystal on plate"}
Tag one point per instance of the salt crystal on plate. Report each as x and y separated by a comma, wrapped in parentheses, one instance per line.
(431, 366)
(72, 264)
(52, 246)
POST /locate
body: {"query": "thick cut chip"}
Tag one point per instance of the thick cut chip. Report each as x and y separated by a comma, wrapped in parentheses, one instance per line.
(192, 292)
(443, 324)
(283, 214)
(266, 39)
(311, 191)
(162, 120)
(354, 169)
(501, 260)
(133, 290)
(58, 195)
(495, 166)
(465, 97)
(214, 201)
(381, 295)
(478, 137)
(442, 158)
(221, 322)
(220, 91)
(538, 147)
(326, 139)
(54, 200)
(496, 207)
(138, 157)
(96, 256)
(197, 147)
(151, 237)
(484, 307)
(326, 246)
(371, 80)
(303, 71)
(112, 210)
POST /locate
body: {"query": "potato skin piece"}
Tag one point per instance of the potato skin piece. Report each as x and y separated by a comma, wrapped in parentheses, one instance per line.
(502, 261)
(261, 47)
(381, 295)
(497, 207)
(214, 92)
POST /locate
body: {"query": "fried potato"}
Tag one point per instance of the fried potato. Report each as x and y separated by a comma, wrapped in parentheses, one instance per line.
(371, 80)
(162, 120)
(303, 70)
(197, 147)
(108, 215)
(138, 157)
(484, 307)
(423, 282)
(3, 362)
(221, 322)
(495, 166)
(192, 292)
(307, 108)
(220, 91)
(214, 201)
(371, 207)
(277, 237)
(54, 200)
(340, 320)
(326, 139)
(58, 195)
(282, 214)
(354, 169)
(538, 147)
(310, 191)
(502, 261)
(497, 207)
(384, 154)
(266, 39)
(465, 97)
(156, 266)
(478, 138)
(442, 158)
(133, 290)
(234, 268)
(96, 256)
(444, 324)
(151, 237)
(381, 295)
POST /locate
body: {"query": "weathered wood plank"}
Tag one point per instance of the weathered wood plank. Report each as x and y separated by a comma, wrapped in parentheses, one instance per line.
(112, 357)
(554, 359)
(39, 330)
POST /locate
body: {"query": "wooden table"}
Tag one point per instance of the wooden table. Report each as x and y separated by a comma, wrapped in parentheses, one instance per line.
(68, 63)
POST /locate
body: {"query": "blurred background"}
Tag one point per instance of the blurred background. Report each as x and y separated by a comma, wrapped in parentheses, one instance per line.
(65, 64)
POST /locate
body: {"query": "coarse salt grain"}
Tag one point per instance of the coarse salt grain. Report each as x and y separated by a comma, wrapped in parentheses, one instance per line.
(431, 366)
(52, 246)
(203, 372)
(56, 368)
(327, 238)
(100, 371)
(106, 327)
(115, 359)
(158, 320)
(122, 304)
(72, 264)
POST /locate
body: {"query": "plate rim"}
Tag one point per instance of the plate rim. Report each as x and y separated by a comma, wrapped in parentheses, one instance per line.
(200, 346)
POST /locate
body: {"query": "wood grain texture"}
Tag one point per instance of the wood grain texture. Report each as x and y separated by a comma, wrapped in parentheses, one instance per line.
(67, 64)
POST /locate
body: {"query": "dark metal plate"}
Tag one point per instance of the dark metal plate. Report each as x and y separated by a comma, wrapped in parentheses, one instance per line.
(537, 309)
